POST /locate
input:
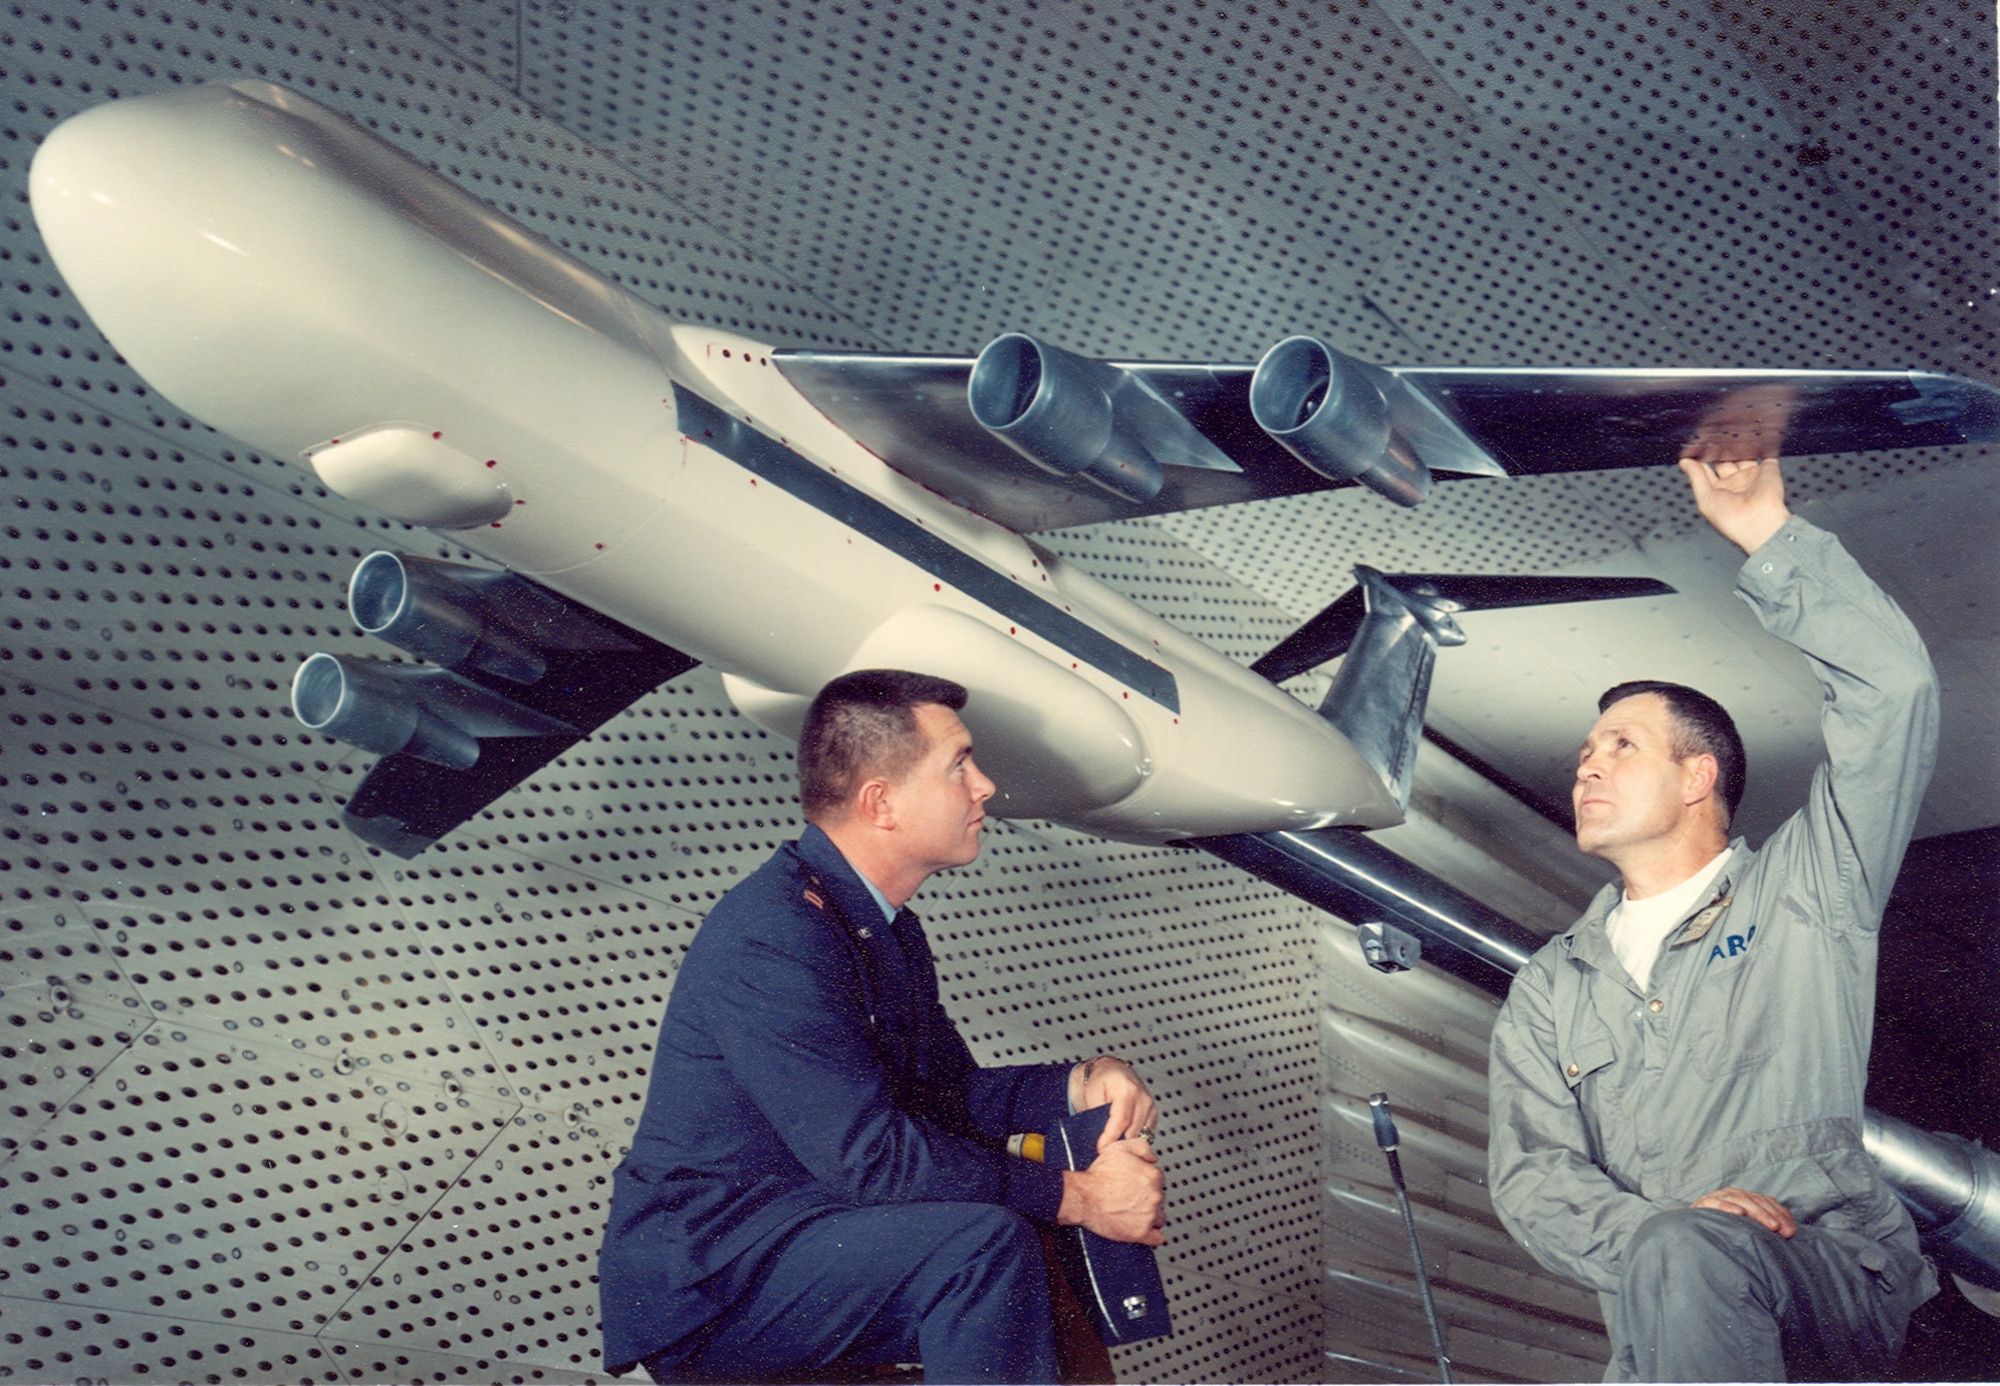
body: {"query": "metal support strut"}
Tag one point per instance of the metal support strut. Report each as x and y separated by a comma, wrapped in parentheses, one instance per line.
(1386, 1137)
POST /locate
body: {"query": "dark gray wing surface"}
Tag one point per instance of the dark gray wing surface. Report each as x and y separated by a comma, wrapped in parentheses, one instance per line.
(1538, 422)
(912, 411)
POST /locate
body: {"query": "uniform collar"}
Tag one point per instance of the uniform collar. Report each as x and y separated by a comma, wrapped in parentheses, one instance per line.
(858, 899)
(1587, 941)
(1717, 897)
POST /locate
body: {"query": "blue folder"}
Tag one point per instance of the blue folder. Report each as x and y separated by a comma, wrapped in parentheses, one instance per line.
(1118, 1282)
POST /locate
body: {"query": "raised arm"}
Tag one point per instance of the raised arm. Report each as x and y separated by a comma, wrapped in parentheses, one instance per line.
(1878, 718)
(1880, 710)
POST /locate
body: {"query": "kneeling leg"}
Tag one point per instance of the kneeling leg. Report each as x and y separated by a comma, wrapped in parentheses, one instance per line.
(1710, 1296)
(961, 1287)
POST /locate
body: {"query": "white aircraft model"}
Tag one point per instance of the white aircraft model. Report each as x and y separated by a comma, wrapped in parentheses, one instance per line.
(660, 494)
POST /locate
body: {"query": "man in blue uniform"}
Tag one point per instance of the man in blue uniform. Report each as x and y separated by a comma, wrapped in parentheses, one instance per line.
(821, 1172)
(1677, 1081)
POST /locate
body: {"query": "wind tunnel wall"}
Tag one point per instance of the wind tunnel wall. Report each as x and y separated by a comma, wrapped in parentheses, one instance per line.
(278, 1108)
(281, 1108)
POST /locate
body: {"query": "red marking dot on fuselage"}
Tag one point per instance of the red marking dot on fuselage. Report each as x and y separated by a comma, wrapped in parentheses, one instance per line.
(492, 461)
(437, 433)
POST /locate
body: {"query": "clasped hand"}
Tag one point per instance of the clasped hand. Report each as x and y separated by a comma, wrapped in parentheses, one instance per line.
(1106, 1079)
(1122, 1195)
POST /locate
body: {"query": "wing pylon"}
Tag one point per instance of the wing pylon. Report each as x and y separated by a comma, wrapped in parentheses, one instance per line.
(519, 675)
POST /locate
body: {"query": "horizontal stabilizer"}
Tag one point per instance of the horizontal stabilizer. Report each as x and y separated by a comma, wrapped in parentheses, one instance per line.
(1328, 635)
(1395, 624)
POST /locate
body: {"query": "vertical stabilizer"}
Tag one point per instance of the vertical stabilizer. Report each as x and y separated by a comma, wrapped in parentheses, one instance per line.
(1377, 700)
(1390, 626)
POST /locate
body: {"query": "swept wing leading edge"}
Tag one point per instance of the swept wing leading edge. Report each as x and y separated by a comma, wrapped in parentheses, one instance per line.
(912, 411)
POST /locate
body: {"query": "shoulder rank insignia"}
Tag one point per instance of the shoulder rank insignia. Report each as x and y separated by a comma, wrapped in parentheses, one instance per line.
(1701, 923)
(813, 898)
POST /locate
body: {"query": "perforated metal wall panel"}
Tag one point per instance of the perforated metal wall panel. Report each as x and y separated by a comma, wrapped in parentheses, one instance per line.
(279, 1108)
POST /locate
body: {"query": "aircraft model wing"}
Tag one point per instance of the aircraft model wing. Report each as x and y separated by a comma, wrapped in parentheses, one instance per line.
(517, 676)
(915, 413)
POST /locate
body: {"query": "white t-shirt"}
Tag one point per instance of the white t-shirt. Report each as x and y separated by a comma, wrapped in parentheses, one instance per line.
(1637, 928)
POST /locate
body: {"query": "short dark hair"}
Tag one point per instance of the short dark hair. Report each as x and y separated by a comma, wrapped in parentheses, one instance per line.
(1701, 727)
(864, 724)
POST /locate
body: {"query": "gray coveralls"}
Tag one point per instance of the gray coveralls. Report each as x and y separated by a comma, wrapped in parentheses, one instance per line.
(1743, 1062)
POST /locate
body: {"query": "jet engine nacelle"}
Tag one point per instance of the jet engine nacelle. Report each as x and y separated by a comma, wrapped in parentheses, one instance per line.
(407, 709)
(1074, 416)
(1332, 413)
(517, 675)
(474, 619)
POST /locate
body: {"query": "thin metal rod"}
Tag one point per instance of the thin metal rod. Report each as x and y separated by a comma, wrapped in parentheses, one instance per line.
(1423, 1276)
(1389, 1141)
(1350, 875)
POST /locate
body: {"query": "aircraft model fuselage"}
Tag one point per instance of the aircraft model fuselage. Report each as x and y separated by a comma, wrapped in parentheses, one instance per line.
(284, 276)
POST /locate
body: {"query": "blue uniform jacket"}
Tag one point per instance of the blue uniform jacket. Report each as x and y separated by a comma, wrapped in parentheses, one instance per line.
(805, 1066)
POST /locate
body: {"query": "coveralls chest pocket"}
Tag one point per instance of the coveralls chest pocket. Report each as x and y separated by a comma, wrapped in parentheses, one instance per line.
(1735, 1021)
(1588, 1065)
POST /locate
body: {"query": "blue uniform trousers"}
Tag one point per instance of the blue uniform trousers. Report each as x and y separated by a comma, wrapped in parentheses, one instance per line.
(961, 1287)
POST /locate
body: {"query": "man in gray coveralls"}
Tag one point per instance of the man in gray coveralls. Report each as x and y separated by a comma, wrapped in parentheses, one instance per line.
(1677, 1081)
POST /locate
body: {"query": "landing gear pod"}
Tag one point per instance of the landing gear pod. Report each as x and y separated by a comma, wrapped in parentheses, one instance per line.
(1327, 410)
(1056, 409)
